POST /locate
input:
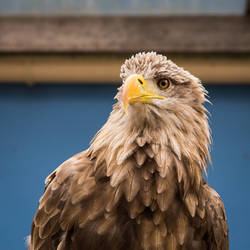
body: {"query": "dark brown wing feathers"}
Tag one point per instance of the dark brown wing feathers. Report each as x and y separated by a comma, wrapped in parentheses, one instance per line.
(216, 218)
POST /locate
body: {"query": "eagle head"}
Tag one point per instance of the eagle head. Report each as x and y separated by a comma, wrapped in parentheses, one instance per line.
(158, 103)
(155, 90)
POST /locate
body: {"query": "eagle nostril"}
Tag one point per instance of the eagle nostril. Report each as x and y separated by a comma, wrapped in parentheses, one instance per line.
(140, 81)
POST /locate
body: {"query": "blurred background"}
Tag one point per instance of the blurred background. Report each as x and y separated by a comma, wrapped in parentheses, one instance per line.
(59, 71)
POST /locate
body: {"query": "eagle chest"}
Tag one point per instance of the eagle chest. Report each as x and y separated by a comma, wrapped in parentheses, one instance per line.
(144, 190)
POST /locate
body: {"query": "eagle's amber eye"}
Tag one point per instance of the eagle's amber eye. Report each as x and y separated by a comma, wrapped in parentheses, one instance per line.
(163, 83)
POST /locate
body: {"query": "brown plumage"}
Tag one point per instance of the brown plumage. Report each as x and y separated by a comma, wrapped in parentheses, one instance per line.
(140, 185)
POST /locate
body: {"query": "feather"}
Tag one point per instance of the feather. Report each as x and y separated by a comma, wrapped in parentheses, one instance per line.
(163, 201)
(190, 170)
(100, 160)
(161, 184)
(135, 208)
(68, 214)
(125, 153)
(182, 227)
(132, 185)
(106, 224)
(164, 163)
(114, 198)
(83, 191)
(185, 183)
(179, 169)
(140, 157)
(54, 199)
(160, 158)
(150, 166)
(37, 242)
(41, 217)
(50, 178)
(148, 150)
(153, 206)
(198, 177)
(111, 168)
(141, 141)
(94, 209)
(155, 148)
(146, 184)
(201, 212)
(138, 219)
(175, 146)
(47, 229)
(97, 207)
(146, 174)
(54, 186)
(145, 232)
(111, 156)
(47, 195)
(191, 203)
(85, 174)
(120, 174)
(171, 243)
(62, 244)
(147, 134)
(100, 173)
(158, 241)
(146, 197)
(157, 217)
(83, 219)
(163, 228)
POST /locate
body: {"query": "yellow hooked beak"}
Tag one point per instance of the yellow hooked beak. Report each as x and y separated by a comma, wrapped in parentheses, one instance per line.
(137, 89)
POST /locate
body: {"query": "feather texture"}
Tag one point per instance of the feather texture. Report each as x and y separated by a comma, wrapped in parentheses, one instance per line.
(132, 185)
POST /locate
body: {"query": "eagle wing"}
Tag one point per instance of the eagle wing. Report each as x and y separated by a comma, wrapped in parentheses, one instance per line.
(72, 211)
(52, 216)
(217, 236)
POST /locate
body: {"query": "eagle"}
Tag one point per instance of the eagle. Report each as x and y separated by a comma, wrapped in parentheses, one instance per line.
(140, 185)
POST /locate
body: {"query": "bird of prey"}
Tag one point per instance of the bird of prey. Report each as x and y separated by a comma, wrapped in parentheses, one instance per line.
(140, 185)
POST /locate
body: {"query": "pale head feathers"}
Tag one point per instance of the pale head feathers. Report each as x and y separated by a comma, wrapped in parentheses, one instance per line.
(153, 65)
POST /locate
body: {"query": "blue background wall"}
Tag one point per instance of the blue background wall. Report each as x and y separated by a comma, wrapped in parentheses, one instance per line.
(42, 126)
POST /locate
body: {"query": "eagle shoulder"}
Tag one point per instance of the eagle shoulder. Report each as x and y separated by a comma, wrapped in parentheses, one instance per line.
(60, 204)
(217, 236)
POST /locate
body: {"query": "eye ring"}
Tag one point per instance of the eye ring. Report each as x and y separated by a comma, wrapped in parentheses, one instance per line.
(163, 83)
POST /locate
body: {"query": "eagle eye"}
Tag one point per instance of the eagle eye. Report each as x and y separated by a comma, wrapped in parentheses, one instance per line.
(163, 83)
